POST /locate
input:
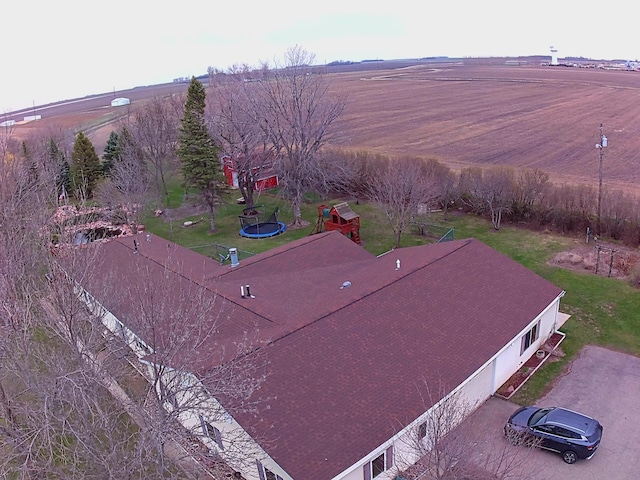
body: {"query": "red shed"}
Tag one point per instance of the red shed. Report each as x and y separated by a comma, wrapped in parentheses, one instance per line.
(267, 178)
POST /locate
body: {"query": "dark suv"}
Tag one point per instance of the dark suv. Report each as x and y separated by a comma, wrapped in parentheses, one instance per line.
(569, 433)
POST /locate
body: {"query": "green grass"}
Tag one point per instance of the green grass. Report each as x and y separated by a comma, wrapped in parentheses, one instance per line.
(604, 310)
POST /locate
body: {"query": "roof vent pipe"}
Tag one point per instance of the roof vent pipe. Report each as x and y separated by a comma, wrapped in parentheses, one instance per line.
(398, 264)
(233, 254)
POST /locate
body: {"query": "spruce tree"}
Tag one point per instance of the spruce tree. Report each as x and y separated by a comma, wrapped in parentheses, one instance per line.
(85, 167)
(33, 167)
(111, 152)
(61, 166)
(201, 167)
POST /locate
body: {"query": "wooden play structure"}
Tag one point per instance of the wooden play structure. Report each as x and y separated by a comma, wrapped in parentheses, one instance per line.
(339, 217)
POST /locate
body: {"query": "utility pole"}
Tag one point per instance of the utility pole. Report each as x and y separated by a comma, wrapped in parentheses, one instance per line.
(601, 146)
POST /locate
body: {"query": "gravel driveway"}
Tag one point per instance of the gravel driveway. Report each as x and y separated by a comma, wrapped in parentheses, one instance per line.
(600, 383)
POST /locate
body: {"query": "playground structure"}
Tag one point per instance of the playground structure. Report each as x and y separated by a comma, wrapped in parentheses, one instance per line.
(251, 226)
(339, 217)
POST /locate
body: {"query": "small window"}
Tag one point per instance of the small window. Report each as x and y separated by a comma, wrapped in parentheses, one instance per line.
(211, 432)
(265, 474)
(378, 465)
(121, 330)
(422, 430)
(529, 338)
(168, 395)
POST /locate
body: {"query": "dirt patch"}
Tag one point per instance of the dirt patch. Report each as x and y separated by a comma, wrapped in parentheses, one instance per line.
(601, 258)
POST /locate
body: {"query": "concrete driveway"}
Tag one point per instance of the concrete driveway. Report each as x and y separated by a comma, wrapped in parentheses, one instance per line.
(601, 383)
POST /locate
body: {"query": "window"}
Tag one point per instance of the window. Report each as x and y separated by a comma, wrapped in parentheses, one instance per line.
(121, 330)
(529, 337)
(167, 395)
(566, 433)
(382, 462)
(266, 474)
(270, 475)
(546, 429)
(377, 466)
(212, 432)
(422, 430)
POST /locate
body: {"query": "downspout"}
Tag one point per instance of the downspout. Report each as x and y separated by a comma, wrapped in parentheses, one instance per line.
(555, 318)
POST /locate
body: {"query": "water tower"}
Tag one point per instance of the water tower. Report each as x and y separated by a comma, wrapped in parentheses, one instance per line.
(554, 55)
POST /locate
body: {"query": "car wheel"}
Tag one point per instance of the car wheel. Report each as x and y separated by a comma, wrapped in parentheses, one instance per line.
(569, 456)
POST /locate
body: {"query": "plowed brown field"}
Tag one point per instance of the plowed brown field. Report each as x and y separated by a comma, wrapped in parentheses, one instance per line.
(525, 116)
(541, 117)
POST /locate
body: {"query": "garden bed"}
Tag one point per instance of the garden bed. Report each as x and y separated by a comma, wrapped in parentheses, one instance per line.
(528, 368)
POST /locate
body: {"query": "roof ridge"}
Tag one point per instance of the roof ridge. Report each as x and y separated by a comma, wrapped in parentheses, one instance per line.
(274, 252)
(201, 283)
(463, 243)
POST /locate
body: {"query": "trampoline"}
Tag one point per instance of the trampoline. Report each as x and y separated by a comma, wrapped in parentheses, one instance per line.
(253, 227)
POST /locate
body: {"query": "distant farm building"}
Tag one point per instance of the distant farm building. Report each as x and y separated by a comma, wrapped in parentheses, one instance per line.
(31, 118)
(120, 102)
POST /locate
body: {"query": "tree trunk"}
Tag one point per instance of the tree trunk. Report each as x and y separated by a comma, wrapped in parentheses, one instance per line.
(398, 234)
(296, 207)
(165, 190)
(212, 222)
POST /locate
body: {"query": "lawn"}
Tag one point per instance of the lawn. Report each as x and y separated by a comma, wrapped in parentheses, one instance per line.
(604, 310)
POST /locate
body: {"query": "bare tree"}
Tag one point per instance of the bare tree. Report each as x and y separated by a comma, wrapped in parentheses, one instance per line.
(65, 414)
(235, 124)
(448, 187)
(530, 187)
(129, 184)
(154, 131)
(299, 116)
(400, 188)
(172, 325)
(447, 443)
(490, 190)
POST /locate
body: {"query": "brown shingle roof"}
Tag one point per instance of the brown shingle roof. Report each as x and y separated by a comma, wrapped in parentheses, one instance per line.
(344, 382)
(344, 363)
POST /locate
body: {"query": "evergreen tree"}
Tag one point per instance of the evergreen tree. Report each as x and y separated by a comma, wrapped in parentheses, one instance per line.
(33, 167)
(61, 166)
(111, 152)
(201, 167)
(85, 167)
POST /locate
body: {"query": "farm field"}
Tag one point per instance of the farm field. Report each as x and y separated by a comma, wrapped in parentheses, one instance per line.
(527, 116)
(463, 115)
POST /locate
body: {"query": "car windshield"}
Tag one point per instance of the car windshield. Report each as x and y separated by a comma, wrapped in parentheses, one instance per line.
(538, 417)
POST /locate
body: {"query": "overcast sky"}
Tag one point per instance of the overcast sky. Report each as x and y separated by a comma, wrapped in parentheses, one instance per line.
(62, 49)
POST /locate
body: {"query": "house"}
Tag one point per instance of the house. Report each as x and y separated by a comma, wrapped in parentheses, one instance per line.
(344, 337)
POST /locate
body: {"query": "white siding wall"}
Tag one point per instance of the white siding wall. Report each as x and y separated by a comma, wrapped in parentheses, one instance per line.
(470, 396)
(510, 359)
(236, 441)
